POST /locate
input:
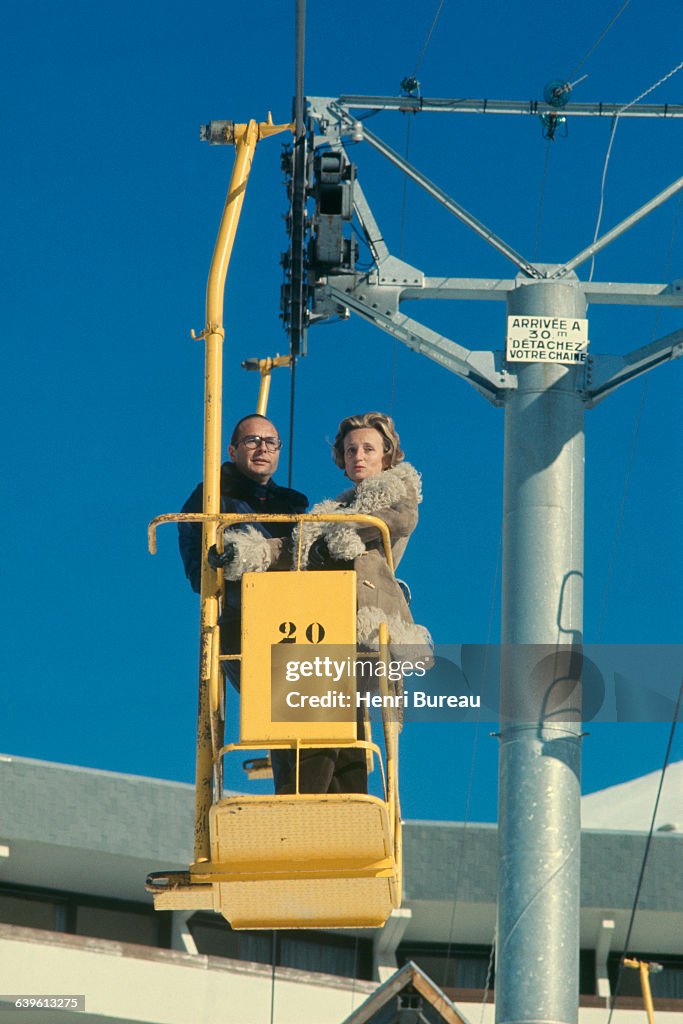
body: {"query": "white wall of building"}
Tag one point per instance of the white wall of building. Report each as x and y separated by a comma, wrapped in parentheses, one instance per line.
(140, 985)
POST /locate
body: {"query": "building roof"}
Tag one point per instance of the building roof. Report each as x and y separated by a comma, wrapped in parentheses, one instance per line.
(90, 831)
(100, 833)
(629, 805)
(409, 988)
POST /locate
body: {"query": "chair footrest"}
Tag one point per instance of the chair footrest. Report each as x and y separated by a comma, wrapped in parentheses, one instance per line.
(304, 861)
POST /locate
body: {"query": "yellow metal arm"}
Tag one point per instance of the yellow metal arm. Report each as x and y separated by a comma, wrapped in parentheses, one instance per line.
(245, 138)
(645, 969)
(265, 368)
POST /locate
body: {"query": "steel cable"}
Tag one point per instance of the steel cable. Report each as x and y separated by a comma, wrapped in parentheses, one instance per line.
(394, 358)
(403, 204)
(613, 129)
(428, 39)
(292, 397)
(541, 199)
(600, 37)
(634, 445)
(645, 854)
(468, 799)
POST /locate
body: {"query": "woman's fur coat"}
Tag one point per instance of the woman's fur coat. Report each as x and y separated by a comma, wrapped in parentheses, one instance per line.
(393, 496)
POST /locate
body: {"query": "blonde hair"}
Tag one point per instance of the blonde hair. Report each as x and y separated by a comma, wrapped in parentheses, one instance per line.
(378, 421)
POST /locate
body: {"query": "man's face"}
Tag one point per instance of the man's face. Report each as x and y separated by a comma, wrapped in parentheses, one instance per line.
(258, 463)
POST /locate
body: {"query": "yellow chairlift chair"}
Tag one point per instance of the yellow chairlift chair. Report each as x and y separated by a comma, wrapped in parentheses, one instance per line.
(301, 860)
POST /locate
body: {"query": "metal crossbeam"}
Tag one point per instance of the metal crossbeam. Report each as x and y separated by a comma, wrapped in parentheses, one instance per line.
(421, 104)
(597, 292)
(610, 372)
(497, 289)
(483, 370)
(620, 228)
(335, 121)
(378, 247)
(624, 294)
(459, 211)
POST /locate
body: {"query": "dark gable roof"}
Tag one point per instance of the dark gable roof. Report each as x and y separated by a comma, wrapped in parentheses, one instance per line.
(408, 986)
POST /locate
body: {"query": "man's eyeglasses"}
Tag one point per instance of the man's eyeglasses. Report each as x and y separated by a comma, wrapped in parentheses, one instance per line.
(254, 441)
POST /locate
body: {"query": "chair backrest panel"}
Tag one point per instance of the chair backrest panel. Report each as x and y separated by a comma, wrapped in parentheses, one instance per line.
(289, 618)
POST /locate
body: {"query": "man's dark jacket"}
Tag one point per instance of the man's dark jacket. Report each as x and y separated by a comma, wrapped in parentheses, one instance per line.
(239, 494)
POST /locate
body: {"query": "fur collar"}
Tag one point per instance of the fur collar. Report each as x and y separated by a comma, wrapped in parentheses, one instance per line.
(377, 492)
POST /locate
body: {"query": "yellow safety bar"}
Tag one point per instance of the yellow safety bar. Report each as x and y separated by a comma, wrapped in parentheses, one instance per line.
(230, 519)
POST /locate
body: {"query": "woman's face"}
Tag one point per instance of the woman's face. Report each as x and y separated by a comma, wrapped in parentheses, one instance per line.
(364, 454)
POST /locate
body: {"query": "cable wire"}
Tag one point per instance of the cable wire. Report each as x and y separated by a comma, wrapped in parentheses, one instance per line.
(541, 199)
(394, 359)
(600, 37)
(622, 507)
(634, 442)
(429, 36)
(292, 398)
(405, 193)
(394, 356)
(652, 88)
(489, 973)
(355, 974)
(615, 120)
(645, 854)
(468, 799)
(272, 979)
(461, 848)
(601, 204)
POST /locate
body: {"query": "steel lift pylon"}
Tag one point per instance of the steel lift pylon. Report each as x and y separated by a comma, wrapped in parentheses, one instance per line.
(544, 400)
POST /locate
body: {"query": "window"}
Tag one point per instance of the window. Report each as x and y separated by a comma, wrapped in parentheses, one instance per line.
(106, 922)
(461, 966)
(587, 972)
(28, 910)
(79, 914)
(342, 955)
(454, 966)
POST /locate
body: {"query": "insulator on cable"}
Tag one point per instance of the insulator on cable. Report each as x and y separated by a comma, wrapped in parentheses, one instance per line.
(556, 92)
(410, 86)
(551, 123)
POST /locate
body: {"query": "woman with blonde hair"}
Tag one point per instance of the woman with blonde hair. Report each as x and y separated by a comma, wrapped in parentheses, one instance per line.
(367, 447)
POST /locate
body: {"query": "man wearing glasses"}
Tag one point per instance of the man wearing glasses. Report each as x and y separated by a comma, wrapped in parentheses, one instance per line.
(246, 486)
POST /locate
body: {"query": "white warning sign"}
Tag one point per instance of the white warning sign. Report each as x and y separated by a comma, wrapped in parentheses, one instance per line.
(547, 339)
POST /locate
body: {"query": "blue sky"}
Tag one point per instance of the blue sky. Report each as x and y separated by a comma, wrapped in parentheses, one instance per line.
(111, 206)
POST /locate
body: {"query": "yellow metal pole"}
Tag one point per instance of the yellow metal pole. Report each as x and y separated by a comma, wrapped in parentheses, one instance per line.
(644, 968)
(265, 368)
(246, 137)
(647, 991)
(264, 390)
